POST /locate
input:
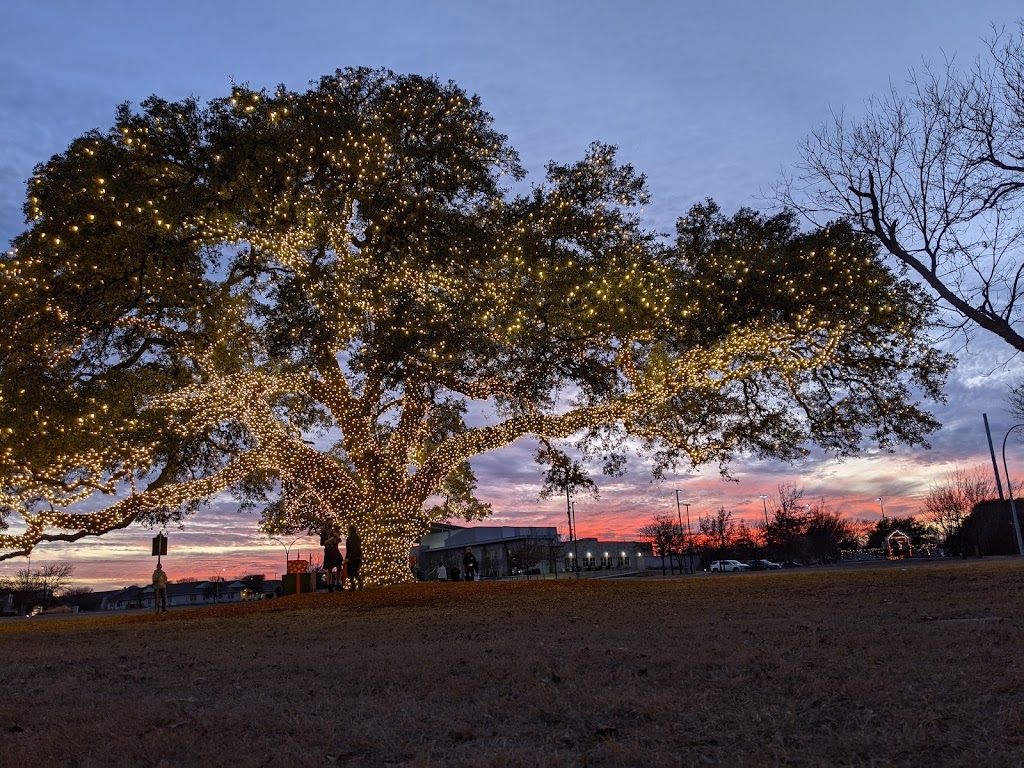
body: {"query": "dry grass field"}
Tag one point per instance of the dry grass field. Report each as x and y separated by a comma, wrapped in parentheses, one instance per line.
(900, 664)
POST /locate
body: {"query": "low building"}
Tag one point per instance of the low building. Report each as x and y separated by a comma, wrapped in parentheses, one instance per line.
(189, 594)
(120, 599)
(597, 555)
(500, 551)
(506, 551)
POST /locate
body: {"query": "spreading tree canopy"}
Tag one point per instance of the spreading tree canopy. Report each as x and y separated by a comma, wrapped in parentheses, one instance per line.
(329, 302)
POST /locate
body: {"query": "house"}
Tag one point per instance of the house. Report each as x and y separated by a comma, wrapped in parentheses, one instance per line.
(120, 599)
(189, 594)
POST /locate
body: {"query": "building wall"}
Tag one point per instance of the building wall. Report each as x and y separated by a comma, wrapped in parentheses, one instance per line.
(493, 547)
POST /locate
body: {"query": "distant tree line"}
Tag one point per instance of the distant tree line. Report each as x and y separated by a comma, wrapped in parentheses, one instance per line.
(959, 517)
(46, 585)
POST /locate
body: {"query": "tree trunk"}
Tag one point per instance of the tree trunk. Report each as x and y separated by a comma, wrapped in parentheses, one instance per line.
(387, 539)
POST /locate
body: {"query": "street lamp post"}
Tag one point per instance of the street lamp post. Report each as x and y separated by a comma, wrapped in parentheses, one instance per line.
(568, 510)
(689, 536)
(1009, 489)
(764, 504)
(686, 538)
(679, 517)
(287, 548)
(575, 540)
(570, 513)
(882, 507)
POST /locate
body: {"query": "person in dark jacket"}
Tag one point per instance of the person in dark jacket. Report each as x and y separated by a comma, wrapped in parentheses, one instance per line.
(330, 538)
(469, 565)
(354, 553)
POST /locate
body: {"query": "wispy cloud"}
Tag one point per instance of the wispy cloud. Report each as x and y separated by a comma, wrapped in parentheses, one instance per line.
(706, 99)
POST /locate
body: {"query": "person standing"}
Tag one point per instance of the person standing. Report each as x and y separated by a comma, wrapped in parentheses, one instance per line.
(159, 589)
(330, 538)
(469, 564)
(442, 572)
(354, 554)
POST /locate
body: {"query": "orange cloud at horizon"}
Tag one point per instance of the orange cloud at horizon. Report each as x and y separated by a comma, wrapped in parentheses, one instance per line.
(220, 542)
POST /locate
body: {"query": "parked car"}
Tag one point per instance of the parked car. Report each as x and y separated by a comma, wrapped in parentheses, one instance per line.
(763, 565)
(728, 565)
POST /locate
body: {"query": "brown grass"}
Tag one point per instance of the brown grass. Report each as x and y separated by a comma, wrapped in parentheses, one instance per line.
(902, 665)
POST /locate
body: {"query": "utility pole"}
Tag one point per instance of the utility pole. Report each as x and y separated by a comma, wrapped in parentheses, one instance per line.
(689, 535)
(1009, 490)
(576, 542)
(568, 515)
(992, 451)
(684, 539)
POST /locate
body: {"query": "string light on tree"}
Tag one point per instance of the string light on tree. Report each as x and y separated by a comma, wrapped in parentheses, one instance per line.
(297, 297)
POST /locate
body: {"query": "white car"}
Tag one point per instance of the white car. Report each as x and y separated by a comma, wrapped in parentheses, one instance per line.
(728, 565)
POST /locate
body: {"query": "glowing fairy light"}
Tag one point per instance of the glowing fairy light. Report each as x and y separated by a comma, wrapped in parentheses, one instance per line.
(202, 290)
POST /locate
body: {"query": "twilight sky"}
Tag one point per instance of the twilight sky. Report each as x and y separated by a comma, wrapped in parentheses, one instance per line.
(709, 98)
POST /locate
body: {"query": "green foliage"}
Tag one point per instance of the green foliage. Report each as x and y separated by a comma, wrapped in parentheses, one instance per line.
(563, 474)
(300, 297)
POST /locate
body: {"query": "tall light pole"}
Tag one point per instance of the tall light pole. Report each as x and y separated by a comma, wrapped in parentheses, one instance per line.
(1009, 490)
(992, 451)
(689, 536)
(575, 540)
(882, 507)
(568, 510)
(764, 503)
(679, 515)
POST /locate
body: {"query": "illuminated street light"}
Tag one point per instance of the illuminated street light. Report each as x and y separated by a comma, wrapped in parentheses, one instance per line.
(882, 507)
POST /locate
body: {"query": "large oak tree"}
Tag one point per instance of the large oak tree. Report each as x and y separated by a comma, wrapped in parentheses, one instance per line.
(328, 302)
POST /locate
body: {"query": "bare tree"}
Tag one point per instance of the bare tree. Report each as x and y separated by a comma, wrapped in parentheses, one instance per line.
(788, 522)
(663, 533)
(42, 584)
(316, 567)
(214, 587)
(51, 580)
(527, 554)
(936, 175)
(948, 502)
(720, 529)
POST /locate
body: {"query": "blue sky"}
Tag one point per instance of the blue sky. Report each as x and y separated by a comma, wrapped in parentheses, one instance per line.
(709, 99)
